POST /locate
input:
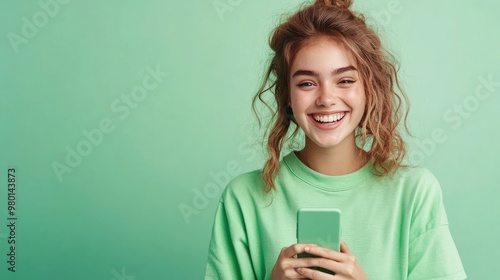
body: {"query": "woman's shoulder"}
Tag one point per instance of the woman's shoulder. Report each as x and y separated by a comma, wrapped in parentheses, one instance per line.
(244, 185)
(415, 173)
(416, 179)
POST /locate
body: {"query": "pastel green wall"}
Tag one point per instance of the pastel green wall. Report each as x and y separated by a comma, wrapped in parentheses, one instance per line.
(116, 214)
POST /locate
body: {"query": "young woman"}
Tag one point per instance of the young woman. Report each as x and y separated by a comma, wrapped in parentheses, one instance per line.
(332, 79)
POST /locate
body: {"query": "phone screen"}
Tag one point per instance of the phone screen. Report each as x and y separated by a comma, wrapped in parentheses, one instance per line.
(320, 226)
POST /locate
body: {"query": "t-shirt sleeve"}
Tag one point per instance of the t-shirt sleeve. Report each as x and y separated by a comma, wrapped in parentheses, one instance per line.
(228, 254)
(432, 251)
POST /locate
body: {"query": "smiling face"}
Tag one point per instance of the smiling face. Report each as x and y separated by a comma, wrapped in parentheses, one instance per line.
(326, 94)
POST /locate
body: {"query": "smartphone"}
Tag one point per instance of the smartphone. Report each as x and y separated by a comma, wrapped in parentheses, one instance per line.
(320, 226)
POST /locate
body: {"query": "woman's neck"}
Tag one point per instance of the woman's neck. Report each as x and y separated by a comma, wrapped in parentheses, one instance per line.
(334, 161)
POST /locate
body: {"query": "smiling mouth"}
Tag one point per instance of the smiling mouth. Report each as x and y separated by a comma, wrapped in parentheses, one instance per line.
(331, 118)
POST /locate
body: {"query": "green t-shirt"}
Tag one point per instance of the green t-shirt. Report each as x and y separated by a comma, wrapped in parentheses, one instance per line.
(395, 226)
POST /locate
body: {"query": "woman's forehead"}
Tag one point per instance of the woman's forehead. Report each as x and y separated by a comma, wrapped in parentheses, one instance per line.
(321, 51)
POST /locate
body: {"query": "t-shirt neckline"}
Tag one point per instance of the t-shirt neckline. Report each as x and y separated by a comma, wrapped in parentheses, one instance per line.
(328, 182)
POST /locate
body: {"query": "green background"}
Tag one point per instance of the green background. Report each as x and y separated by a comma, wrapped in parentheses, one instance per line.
(117, 215)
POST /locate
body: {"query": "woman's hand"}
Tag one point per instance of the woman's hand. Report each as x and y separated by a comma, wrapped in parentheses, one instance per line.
(286, 264)
(343, 263)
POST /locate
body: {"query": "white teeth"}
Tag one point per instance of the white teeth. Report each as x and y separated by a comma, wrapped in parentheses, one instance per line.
(329, 118)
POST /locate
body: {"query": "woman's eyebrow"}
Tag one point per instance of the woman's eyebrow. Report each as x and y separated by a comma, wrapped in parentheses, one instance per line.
(344, 69)
(316, 74)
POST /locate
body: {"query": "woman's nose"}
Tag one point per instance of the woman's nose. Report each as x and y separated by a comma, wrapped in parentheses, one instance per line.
(327, 96)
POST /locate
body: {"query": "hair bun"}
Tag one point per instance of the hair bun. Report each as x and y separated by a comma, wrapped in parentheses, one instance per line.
(341, 4)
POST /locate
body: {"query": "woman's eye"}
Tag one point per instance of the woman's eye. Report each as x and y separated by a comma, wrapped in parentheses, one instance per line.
(306, 84)
(347, 81)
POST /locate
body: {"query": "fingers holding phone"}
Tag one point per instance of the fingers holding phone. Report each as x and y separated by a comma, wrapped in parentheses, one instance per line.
(344, 264)
(287, 263)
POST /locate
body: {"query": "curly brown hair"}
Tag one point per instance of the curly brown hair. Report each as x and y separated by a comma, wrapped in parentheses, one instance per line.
(385, 107)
